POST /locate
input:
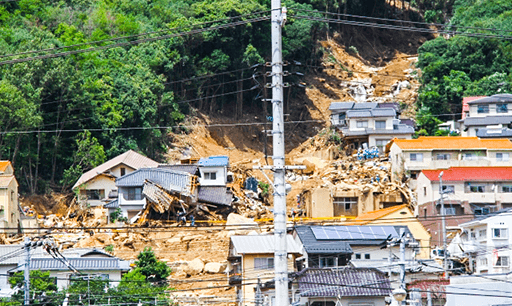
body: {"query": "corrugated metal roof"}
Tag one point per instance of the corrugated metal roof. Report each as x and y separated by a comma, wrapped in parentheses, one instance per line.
(314, 246)
(88, 263)
(168, 179)
(343, 282)
(192, 169)
(129, 158)
(215, 195)
(214, 161)
(261, 244)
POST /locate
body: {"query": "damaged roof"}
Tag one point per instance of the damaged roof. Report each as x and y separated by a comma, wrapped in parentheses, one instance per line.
(343, 281)
(215, 195)
(192, 169)
(168, 179)
(129, 158)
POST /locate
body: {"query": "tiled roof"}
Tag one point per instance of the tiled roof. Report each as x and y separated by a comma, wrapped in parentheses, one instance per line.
(129, 158)
(214, 161)
(457, 143)
(494, 133)
(402, 129)
(87, 263)
(488, 120)
(261, 244)
(426, 266)
(168, 179)
(215, 195)
(192, 169)
(470, 174)
(112, 204)
(378, 214)
(4, 164)
(345, 281)
(371, 113)
(314, 246)
(344, 106)
(493, 99)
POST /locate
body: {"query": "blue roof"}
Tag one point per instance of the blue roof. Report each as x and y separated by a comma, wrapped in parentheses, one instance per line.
(168, 179)
(214, 161)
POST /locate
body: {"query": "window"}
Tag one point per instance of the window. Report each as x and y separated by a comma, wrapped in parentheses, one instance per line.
(358, 256)
(448, 189)
(443, 156)
(473, 235)
(476, 188)
(425, 191)
(502, 261)
(416, 157)
(482, 262)
(381, 124)
(381, 144)
(482, 234)
(326, 262)
(210, 176)
(134, 194)
(424, 213)
(366, 256)
(502, 108)
(499, 233)
(506, 188)
(502, 156)
(362, 124)
(123, 171)
(95, 194)
(449, 211)
(483, 109)
(414, 175)
(263, 263)
(343, 205)
(479, 211)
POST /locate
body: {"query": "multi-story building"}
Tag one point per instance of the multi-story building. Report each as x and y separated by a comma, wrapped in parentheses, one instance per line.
(467, 192)
(487, 241)
(9, 207)
(368, 123)
(410, 156)
(488, 117)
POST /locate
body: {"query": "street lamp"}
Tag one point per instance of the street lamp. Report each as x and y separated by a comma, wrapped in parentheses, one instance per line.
(399, 294)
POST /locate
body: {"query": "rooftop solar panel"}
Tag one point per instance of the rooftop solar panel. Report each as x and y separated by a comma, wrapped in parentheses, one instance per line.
(353, 232)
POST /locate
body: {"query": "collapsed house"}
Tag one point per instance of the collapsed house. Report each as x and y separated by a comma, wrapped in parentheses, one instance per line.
(169, 191)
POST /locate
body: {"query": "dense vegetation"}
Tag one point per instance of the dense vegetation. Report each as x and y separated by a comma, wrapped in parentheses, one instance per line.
(83, 108)
(467, 66)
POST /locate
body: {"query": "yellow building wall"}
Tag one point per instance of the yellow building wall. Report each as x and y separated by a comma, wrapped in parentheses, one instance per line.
(9, 203)
(321, 204)
(250, 275)
(405, 217)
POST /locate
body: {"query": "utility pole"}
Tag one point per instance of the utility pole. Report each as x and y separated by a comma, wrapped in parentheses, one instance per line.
(402, 259)
(280, 253)
(443, 224)
(27, 271)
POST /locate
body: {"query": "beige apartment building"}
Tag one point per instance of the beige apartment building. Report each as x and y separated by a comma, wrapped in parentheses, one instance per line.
(9, 208)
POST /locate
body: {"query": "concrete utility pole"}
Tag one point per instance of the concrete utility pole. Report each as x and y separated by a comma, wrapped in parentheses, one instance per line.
(280, 254)
(27, 271)
(402, 259)
(443, 224)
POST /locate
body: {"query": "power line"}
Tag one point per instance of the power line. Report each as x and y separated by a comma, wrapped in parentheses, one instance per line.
(130, 36)
(401, 28)
(134, 42)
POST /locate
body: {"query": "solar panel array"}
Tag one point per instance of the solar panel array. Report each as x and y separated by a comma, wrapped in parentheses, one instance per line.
(353, 232)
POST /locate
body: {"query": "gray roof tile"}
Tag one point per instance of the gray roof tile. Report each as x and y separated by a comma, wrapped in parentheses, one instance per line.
(168, 179)
(344, 281)
(489, 120)
(48, 264)
(314, 246)
(215, 195)
(192, 169)
(491, 133)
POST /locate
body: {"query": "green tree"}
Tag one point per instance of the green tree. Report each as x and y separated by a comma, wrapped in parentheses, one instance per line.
(153, 269)
(427, 123)
(43, 286)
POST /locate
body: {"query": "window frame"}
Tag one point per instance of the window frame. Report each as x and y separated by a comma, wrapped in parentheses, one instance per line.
(265, 263)
(380, 123)
(500, 261)
(504, 156)
(418, 157)
(327, 262)
(482, 108)
(444, 156)
(362, 124)
(501, 108)
(503, 233)
(210, 175)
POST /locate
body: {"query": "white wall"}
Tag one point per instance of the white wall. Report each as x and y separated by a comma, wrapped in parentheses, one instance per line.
(478, 291)
(221, 177)
(101, 182)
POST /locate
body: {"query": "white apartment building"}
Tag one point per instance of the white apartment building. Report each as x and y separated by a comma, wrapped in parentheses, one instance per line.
(488, 117)
(487, 241)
